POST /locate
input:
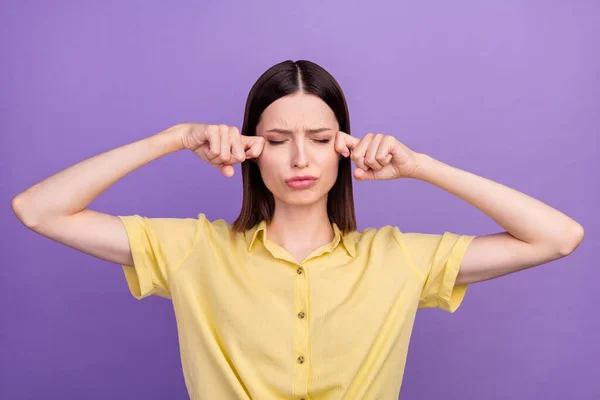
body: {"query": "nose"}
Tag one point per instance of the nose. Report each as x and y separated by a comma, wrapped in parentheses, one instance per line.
(299, 157)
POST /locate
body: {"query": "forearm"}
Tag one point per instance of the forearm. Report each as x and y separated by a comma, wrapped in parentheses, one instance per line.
(524, 217)
(74, 188)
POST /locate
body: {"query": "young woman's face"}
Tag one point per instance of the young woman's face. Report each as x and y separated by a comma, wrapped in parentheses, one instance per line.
(298, 164)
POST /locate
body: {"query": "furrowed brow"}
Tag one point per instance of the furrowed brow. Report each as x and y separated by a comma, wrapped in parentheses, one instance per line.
(286, 131)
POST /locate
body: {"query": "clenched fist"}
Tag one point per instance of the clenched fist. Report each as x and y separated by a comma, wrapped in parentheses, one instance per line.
(221, 145)
(377, 156)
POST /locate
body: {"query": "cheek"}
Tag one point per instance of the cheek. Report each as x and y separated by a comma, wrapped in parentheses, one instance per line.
(329, 158)
(330, 165)
(267, 164)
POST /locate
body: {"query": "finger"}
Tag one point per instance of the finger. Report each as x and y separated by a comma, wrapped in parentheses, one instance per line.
(351, 141)
(385, 152)
(253, 145)
(362, 175)
(214, 142)
(371, 152)
(225, 146)
(340, 144)
(358, 155)
(344, 143)
(237, 148)
(227, 170)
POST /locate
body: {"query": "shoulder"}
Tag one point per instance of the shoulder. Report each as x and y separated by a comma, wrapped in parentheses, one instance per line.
(216, 230)
(178, 226)
(386, 232)
(391, 236)
(382, 238)
(214, 224)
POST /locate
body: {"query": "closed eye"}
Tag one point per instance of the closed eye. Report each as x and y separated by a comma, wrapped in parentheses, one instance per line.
(276, 142)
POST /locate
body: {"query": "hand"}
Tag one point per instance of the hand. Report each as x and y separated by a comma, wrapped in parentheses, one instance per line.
(220, 145)
(377, 156)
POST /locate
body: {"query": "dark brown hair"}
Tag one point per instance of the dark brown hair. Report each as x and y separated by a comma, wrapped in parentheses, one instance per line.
(285, 78)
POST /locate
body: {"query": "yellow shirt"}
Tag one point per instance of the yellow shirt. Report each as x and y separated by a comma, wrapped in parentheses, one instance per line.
(255, 324)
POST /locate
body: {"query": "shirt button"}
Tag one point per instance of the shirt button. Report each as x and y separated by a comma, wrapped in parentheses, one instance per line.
(299, 271)
(301, 315)
(301, 360)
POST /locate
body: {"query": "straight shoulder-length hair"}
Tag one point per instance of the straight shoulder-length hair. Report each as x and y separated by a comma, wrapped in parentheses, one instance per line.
(285, 78)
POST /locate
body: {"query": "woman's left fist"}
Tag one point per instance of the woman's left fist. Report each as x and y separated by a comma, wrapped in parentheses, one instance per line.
(377, 156)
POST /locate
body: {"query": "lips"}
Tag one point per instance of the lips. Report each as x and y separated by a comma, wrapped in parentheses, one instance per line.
(301, 182)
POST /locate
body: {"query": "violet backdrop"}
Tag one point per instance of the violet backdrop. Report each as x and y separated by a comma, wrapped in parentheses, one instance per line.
(507, 90)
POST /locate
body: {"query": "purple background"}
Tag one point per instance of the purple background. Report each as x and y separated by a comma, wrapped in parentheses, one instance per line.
(507, 90)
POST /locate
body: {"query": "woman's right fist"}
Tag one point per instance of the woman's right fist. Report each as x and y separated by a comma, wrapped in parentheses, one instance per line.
(220, 145)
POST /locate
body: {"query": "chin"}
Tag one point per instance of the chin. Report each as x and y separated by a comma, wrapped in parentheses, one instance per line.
(301, 198)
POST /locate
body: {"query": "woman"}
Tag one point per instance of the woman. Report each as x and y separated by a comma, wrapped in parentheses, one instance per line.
(290, 301)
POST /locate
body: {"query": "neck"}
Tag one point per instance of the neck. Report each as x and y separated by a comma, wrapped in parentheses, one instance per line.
(300, 228)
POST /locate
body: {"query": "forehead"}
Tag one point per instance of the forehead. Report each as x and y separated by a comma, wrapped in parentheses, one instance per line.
(298, 109)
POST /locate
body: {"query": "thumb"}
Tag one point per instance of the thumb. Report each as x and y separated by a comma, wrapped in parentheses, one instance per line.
(227, 170)
(362, 175)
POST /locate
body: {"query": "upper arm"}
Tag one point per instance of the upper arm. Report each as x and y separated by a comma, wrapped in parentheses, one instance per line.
(499, 254)
(437, 259)
(149, 249)
(97, 234)
(158, 247)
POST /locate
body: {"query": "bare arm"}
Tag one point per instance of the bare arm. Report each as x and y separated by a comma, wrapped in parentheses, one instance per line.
(56, 206)
(535, 232)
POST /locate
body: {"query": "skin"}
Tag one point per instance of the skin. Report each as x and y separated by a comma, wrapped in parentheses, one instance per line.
(535, 233)
(299, 132)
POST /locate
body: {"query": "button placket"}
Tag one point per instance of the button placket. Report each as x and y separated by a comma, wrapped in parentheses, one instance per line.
(301, 333)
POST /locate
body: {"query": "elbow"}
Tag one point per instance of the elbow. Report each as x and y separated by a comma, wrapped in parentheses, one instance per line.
(572, 241)
(18, 205)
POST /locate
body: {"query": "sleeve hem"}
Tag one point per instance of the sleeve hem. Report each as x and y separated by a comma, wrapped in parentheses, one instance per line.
(452, 295)
(138, 279)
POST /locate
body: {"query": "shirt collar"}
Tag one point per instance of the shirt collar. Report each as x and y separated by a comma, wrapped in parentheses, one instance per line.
(258, 231)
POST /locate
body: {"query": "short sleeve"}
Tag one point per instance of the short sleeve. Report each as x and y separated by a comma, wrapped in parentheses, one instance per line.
(158, 246)
(437, 258)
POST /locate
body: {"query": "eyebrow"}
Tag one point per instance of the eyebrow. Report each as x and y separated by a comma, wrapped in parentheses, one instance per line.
(319, 130)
